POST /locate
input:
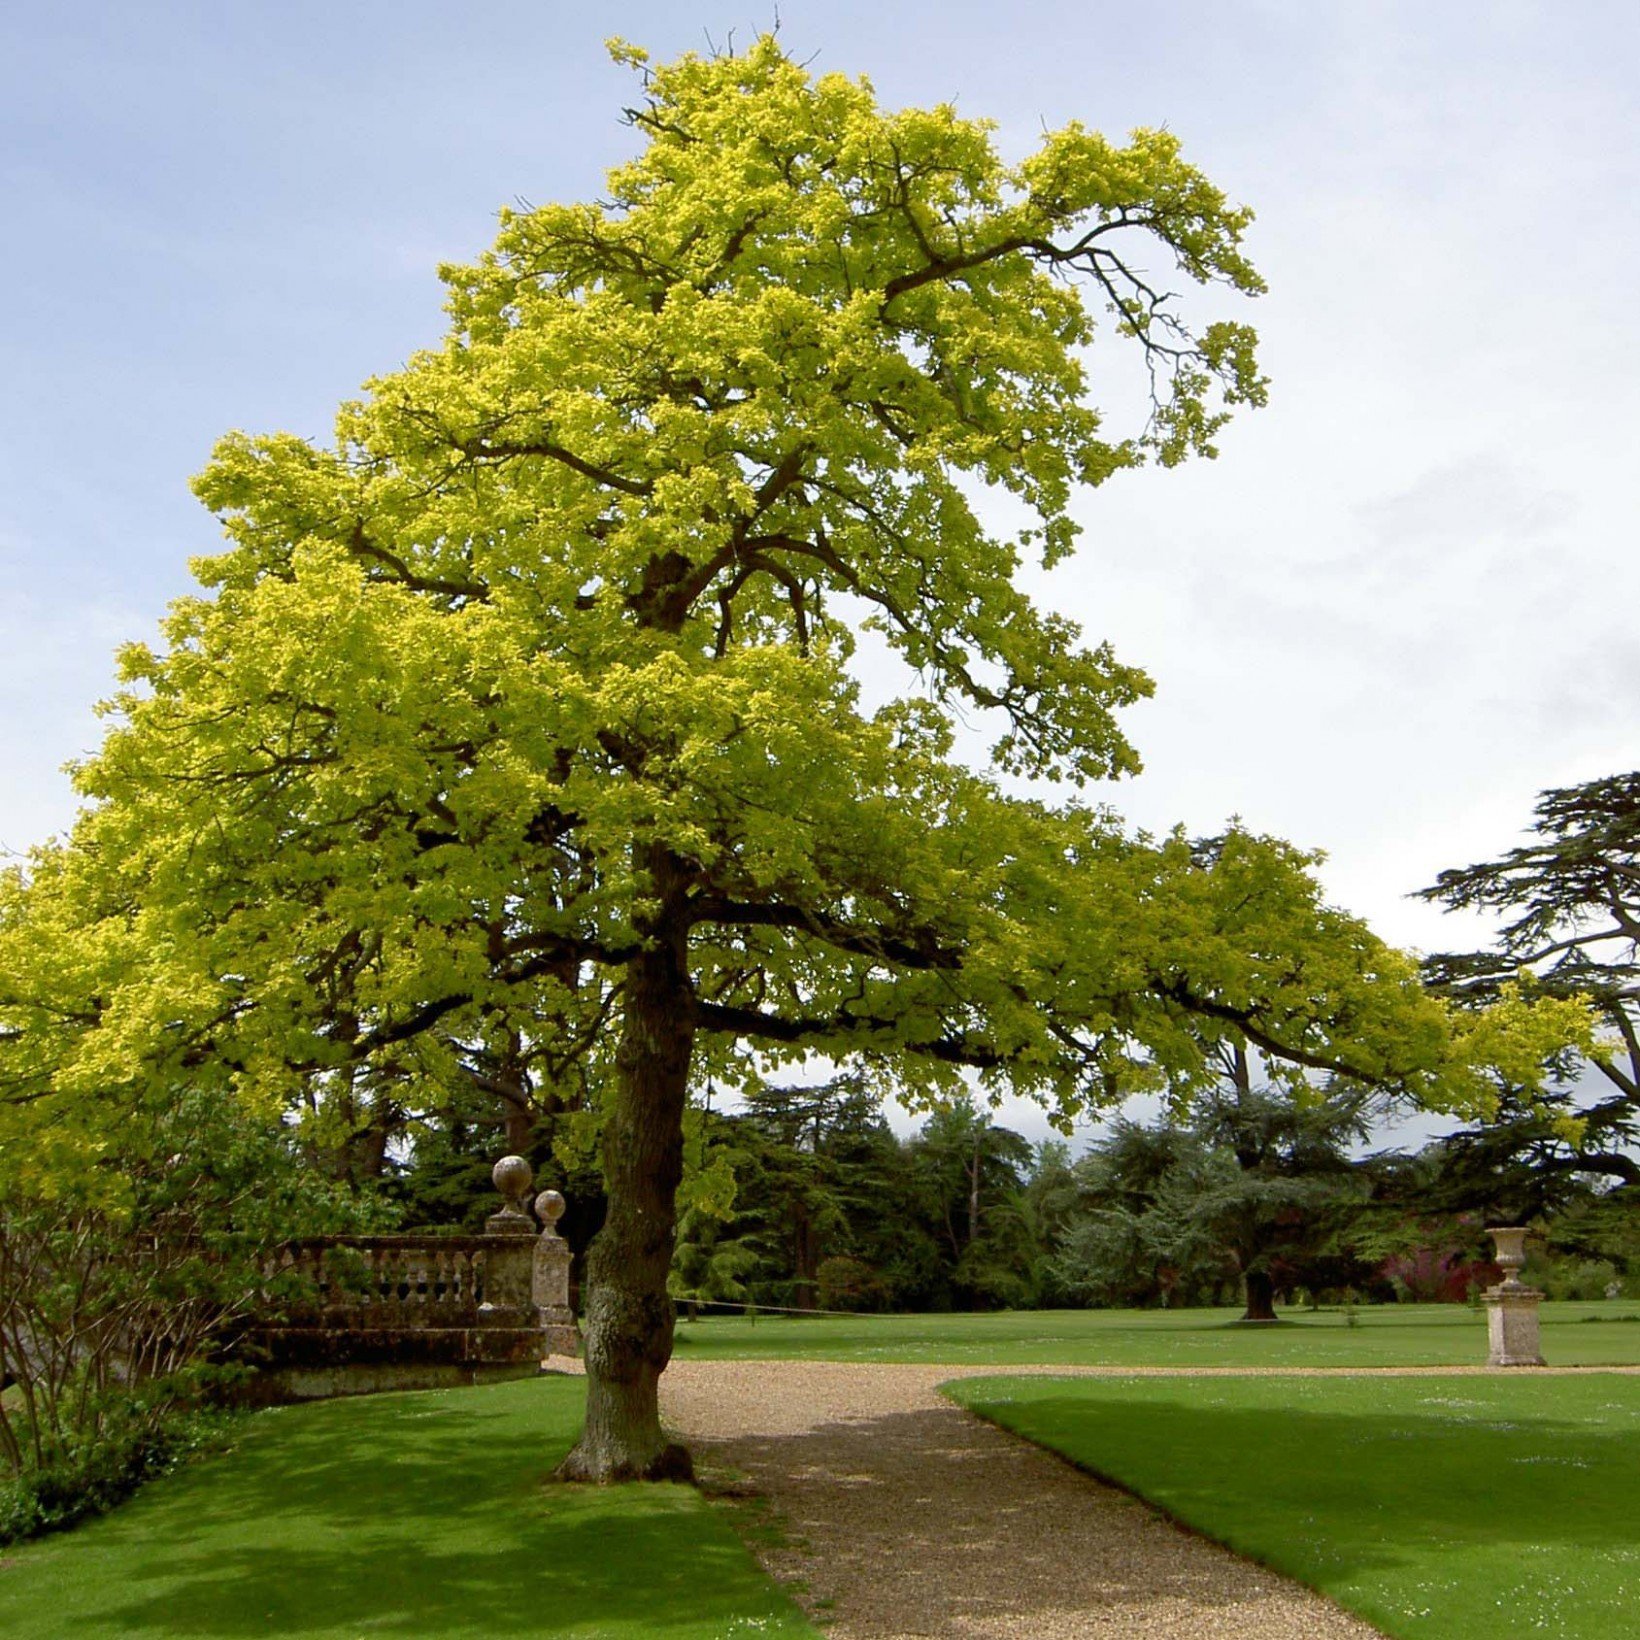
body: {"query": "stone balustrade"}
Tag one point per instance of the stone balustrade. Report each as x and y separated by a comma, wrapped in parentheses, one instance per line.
(352, 1314)
(342, 1280)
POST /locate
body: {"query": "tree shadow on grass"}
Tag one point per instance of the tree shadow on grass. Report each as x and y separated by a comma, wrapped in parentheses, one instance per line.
(620, 1574)
(412, 1515)
(372, 1462)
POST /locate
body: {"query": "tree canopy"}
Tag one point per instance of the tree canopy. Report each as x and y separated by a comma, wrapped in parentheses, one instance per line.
(524, 723)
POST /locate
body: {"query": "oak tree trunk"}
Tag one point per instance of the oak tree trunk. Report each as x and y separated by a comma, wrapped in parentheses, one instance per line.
(629, 1314)
(1261, 1294)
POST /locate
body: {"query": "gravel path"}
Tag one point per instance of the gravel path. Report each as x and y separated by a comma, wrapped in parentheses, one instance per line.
(903, 1515)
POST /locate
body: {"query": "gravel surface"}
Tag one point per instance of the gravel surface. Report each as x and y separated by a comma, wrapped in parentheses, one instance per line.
(903, 1515)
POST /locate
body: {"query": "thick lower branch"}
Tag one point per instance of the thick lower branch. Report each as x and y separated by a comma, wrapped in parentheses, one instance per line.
(922, 951)
(1246, 1020)
(954, 1050)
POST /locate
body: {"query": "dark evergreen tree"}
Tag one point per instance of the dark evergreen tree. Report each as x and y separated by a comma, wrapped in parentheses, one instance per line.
(1570, 900)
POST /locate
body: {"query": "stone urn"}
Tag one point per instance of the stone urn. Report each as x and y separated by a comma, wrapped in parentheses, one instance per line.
(1510, 1240)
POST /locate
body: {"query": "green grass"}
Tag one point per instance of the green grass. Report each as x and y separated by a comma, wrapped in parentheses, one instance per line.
(1427, 1505)
(1493, 1508)
(415, 1515)
(1594, 1334)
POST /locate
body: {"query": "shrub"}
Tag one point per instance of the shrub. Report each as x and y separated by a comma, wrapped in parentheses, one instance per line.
(849, 1284)
(1433, 1275)
(121, 1276)
(90, 1477)
(1571, 1278)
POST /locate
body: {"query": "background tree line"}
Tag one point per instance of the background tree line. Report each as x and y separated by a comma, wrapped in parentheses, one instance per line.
(804, 1198)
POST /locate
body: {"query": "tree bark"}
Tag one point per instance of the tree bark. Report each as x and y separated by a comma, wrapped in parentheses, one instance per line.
(973, 1188)
(1261, 1295)
(363, 1156)
(805, 1258)
(629, 1313)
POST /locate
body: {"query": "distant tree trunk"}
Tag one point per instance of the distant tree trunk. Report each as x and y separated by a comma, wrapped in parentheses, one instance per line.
(520, 1130)
(973, 1188)
(503, 1074)
(363, 1157)
(805, 1258)
(1261, 1295)
(629, 1314)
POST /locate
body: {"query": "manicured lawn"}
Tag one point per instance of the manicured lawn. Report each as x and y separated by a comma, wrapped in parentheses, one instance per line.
(1597, 1334)
(1460, 1509)
(415, 1515)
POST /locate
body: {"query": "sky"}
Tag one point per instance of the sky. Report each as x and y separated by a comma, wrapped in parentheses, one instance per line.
(1399, 605)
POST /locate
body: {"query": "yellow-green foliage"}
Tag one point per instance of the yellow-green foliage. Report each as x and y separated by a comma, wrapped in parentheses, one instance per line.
(588, 577)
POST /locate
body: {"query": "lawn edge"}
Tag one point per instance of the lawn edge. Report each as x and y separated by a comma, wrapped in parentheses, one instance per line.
(1177, 1522)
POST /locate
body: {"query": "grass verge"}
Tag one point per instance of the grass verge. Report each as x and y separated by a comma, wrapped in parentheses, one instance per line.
(423, 1515)
(1404, 1335)
(1465, 1509)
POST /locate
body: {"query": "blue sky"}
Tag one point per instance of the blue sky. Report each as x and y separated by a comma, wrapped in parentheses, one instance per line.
(1401, 602)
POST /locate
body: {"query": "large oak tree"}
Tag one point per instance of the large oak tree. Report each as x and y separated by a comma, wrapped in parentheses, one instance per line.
(523, 725)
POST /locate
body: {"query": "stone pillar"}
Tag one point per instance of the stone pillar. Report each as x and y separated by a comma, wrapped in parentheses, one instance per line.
(559, 1334)
(1511, 1306)
(507, 1267)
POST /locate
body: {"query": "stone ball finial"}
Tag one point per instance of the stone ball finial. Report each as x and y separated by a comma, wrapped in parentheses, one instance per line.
(512, 1177)
(549, 1208)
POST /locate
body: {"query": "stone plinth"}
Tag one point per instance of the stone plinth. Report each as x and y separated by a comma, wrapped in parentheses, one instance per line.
(1512, 1328)
(507, 1269)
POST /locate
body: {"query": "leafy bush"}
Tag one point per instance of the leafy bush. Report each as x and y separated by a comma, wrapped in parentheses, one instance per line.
(1572, 1278)
(1434, 1275)
(92, 1476)
(850, 1284)
(122, 1275)
(1603, 1227)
